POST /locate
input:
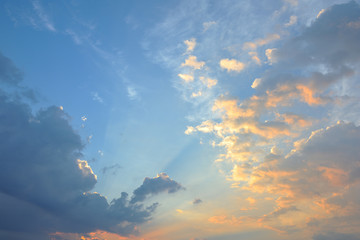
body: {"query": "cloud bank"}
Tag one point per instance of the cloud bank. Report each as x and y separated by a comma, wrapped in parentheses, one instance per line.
(45, 186)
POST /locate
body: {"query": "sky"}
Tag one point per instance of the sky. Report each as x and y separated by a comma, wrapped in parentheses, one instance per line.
(181, 120)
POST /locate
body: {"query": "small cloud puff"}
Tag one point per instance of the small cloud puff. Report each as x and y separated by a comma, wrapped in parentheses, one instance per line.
(192, 62)
(186, 77)
(132, 93)
(292, 21)
(190, 45)
(232, 65)
(153, 186)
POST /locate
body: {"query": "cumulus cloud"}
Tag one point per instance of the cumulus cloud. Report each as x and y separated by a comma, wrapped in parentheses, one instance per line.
(192, 62)
(209, 82)
(152, 186)
(42, 176)
(45, 185)
(231, 65)
(318, 174)
(326, 52)
(197, 201)
(322, 170)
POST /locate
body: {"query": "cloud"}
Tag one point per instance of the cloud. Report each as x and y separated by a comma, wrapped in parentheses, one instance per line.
(186, 77)
(261, 42)
(9, 73)
(75, 37)
(292, 21)
(316, 172)
(132, 93)
(197, 201)
(11, 76)
(256, 82)
(190, 45)
(112, 168)
(192, 62)
(320, 12)
(209, 82)
(336, 236)
(278, 212)
(45, 185)
(269, 54)
(153, 186)
(231, 65)
(207, 25)
(96, 97)
(328, 43)
(44, 18)
(321, 170)
(223, 219)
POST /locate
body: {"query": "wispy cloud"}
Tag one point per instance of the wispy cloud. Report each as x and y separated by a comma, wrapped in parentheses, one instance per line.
(96, 97)
(43, 16)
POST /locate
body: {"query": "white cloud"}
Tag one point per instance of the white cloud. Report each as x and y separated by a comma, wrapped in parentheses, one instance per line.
(132, 93)
(44, 18)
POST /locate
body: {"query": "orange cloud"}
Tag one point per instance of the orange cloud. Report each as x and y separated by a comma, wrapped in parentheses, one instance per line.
(232, 109)
(191, 61)
(261, 41)
(232, 65)
(307, 95)
(222, 219)
(336, 176)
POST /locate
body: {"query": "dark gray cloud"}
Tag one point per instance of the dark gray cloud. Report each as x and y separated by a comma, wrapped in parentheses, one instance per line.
(9, 73)
(44, 186)
(326, 52)
(156, 185)
(112, 168)
(11, 77)
(197, 201)
(336, 236)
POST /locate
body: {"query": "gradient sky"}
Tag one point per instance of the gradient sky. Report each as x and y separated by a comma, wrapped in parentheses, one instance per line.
(181, 120)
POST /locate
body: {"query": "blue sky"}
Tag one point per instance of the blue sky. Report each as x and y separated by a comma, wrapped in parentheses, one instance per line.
(180, 119)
